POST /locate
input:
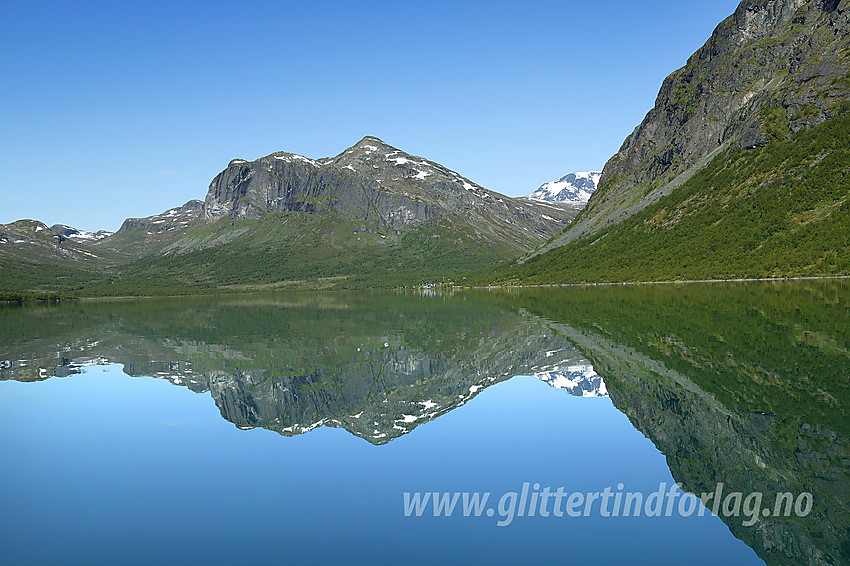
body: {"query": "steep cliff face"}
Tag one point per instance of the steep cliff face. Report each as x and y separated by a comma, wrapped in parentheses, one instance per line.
(773, 68)
(382, 188)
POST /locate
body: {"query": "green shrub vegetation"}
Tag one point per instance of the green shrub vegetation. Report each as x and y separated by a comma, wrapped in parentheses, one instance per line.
(301, 251)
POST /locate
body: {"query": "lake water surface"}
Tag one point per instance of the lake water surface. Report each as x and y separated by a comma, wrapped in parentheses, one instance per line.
(304, 428)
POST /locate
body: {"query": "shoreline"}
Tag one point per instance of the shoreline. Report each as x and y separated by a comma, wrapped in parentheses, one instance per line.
(665, 282)
(213, 293)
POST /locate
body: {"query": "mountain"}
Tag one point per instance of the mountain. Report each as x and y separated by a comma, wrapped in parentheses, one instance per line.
(138, 237)
(381, 188)
(371, 216)
(574, 189)
(36, 258)
(34, 240)
(740, 168)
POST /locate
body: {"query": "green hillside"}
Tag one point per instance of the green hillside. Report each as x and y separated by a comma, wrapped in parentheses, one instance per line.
(776, 211)
(300, 251)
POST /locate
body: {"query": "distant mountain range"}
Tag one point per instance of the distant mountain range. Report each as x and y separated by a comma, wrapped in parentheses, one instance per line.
(371, 216)
(575, 189)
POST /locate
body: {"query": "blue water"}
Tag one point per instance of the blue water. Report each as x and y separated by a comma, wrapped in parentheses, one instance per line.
(102, 468)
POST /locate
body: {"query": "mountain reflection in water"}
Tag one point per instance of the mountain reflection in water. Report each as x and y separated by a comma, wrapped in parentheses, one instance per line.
(297, 363)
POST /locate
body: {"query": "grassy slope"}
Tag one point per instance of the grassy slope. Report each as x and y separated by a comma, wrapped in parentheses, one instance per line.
(781, 210)
(25, 280)
(296, 250)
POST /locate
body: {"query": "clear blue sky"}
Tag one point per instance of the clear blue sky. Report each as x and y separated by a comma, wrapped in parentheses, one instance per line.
(117, 109)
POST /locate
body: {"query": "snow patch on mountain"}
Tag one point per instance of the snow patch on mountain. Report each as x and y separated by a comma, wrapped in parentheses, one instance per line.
(78, 235)
(578, 380)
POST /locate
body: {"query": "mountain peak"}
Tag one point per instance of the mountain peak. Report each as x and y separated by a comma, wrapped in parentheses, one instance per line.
(371, 139)
(372, 143)
(573, 188)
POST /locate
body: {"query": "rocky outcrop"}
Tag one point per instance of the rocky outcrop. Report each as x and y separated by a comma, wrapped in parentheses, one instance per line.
(772, 68)
(172, 219)
(140, 237)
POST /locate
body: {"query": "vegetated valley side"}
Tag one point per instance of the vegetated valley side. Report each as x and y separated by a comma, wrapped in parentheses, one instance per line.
(740, 169)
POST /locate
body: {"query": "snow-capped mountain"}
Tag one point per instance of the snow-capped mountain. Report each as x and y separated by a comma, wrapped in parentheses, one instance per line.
(574, 188)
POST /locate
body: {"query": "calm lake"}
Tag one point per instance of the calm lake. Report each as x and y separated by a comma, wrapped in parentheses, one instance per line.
(547, 426)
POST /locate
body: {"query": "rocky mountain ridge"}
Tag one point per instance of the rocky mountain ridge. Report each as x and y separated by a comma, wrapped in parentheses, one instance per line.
(38, 242)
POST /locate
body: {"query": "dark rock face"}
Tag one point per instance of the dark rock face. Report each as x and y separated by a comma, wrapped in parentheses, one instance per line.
(772, 68)
(380, 186)
(288, 183)
(757, 58)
